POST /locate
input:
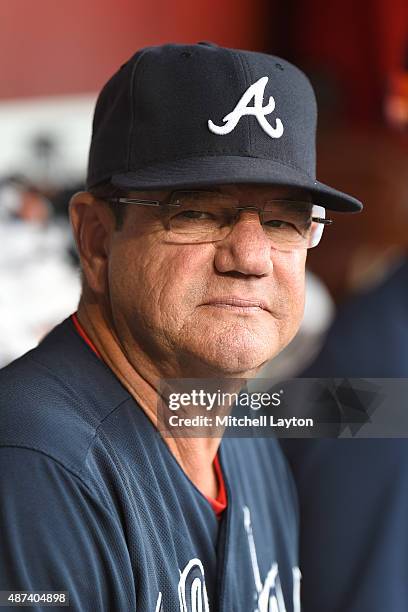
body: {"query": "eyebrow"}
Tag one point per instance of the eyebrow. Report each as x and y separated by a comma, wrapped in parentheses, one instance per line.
(297, 205)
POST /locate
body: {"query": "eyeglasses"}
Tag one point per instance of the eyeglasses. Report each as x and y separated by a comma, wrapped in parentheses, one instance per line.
(208, 216)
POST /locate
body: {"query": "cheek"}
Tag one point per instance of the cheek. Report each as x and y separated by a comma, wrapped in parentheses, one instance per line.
(289, 272)
(158, 283)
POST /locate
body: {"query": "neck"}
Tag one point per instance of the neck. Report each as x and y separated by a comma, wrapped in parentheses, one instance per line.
(194, 455)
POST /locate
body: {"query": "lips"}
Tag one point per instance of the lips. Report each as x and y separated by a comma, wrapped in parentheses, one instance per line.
(237, 302)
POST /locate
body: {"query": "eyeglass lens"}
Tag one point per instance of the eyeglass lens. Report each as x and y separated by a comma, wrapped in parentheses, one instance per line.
(210, 216)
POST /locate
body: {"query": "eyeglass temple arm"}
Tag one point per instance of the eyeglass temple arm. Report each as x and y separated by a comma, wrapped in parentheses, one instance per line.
(134, 201)
(322, 220)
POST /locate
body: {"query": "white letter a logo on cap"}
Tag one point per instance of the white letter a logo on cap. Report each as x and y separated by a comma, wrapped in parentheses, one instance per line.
(256, 91)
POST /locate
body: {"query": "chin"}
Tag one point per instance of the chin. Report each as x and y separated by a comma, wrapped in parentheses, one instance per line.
(237, 351)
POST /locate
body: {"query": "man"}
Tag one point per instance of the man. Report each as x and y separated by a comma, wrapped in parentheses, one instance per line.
(353, 493)
(192, 238)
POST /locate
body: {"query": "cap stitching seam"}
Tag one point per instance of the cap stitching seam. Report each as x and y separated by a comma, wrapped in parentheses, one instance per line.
(247, 70)
(132, 79)
(247, 123)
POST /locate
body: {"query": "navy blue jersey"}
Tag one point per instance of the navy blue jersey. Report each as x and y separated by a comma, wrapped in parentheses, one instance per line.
(94, 503)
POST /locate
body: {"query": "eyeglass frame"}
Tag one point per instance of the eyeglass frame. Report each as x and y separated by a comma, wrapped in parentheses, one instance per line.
(166, 202)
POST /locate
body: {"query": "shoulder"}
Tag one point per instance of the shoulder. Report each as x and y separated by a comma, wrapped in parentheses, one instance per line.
(54, 398)
(390, 296)
(58, 531)
(369, 337)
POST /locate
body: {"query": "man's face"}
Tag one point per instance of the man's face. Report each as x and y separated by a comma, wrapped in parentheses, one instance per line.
(223, 307)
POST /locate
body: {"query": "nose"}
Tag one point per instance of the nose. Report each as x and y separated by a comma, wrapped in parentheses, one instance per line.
(246, 249)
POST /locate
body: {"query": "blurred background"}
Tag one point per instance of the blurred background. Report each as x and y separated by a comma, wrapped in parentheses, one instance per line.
(54, 58)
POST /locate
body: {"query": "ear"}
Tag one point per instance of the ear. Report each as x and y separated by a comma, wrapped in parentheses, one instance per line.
(93, 227)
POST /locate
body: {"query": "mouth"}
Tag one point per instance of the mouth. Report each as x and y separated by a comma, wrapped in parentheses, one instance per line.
(238, 304)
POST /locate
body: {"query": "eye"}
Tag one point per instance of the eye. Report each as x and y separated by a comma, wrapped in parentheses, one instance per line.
(195, 215)
(278, 223)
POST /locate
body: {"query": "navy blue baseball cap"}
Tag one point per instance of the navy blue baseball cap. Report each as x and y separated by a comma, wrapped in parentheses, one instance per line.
(194, 116)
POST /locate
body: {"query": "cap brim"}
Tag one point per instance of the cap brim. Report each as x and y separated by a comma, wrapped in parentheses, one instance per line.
(200, 172)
